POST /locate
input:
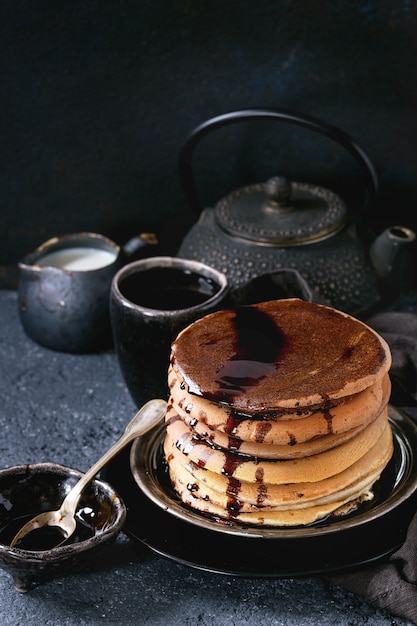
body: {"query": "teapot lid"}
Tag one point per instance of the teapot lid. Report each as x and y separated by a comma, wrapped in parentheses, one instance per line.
(280, 212)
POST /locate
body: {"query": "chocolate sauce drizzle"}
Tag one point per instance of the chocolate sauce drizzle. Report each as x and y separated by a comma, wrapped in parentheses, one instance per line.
(258, 345)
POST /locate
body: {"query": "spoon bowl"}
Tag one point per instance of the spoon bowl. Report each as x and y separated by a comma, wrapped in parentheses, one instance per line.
(27, 489)
(50, 529)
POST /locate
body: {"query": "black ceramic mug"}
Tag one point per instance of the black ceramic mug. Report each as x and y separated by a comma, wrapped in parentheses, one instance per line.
(151, 301)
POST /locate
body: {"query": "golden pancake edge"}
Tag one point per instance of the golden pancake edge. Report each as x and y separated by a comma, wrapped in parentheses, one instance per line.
(277, 413)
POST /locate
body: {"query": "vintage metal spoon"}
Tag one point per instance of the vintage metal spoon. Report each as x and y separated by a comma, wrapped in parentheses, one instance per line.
(63, 520)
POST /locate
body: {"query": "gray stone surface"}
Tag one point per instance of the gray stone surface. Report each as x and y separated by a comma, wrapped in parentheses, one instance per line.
(69, 409)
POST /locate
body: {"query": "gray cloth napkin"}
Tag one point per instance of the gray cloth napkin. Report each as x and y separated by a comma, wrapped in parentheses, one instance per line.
(392, 585)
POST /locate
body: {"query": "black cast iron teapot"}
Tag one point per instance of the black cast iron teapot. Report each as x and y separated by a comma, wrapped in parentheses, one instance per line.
(282, 224)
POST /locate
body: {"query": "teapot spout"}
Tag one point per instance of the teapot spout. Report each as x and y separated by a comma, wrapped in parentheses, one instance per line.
(392, 258)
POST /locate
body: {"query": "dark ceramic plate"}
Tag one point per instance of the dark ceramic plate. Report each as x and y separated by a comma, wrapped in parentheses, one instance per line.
(156, 518)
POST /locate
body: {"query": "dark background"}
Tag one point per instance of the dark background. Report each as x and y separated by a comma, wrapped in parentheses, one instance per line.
(98, 97)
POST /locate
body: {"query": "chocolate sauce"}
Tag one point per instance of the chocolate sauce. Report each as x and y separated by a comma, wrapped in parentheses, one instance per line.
(235, 418)
(233, 505)
(292, 439)
(262, 429)
(234, 486)
(234, 444)
(43, 538)
(173, 417)
(231, 463)
(259, 475)
(205, 455)
(262, 493)
(258, 345)
(47, 537)
(329, 419)
(232, 424)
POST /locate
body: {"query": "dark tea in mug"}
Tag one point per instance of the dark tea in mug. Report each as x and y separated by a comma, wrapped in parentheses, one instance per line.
(168, 288)
(151, 301)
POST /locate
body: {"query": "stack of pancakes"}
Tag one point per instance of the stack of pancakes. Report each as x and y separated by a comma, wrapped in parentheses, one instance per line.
(277, 413)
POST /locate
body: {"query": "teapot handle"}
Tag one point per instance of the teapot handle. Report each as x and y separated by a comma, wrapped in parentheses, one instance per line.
(307, 121)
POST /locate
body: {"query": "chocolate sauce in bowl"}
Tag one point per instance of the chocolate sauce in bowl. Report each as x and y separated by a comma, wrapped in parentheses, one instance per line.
(48, 537)
(43, 538)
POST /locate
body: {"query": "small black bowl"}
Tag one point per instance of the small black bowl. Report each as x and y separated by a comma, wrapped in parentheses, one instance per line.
(27, 490)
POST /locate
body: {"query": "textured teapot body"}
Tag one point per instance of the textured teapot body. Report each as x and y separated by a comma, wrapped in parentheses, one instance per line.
(283, 225)
(337, 267)
(278, 225)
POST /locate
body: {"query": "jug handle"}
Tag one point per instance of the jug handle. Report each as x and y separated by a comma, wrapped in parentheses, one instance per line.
(185, 156)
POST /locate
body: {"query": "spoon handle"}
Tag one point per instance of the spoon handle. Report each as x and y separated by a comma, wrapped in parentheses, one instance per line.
(145, 419)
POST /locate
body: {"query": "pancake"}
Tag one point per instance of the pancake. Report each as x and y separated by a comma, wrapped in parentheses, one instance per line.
(278, 413)
(267, 451)
(306, 469)
(199, 496)
(288, 517)
(352, 480)
(279, 354)
(284, 430)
